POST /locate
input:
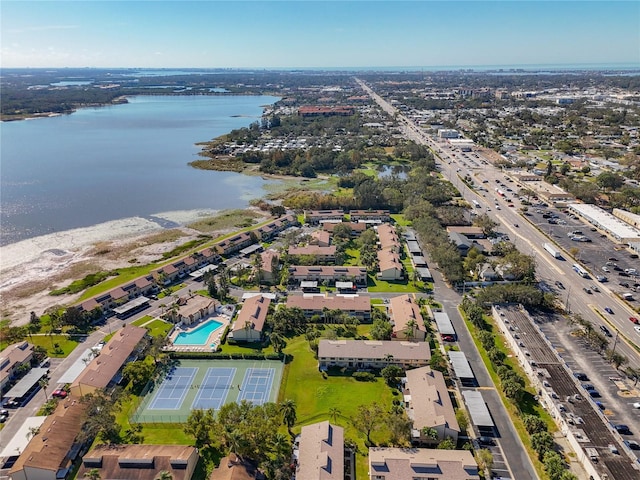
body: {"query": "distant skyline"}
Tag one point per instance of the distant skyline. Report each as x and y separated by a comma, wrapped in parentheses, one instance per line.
(308, 34)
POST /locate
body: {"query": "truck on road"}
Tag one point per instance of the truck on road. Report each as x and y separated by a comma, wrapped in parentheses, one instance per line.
(552, 250)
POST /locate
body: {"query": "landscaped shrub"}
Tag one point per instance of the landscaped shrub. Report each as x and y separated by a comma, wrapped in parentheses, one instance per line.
(364, 376)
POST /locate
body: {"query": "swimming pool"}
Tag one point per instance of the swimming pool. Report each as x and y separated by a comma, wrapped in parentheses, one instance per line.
(199, 335)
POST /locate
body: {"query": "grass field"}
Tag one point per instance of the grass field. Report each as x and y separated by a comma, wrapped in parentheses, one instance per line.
(401, 286)
(48, 342)
(314, 394)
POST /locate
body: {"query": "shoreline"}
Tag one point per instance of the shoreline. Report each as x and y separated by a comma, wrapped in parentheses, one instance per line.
(31, 268)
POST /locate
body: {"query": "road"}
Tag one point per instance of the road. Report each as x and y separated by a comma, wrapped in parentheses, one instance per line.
(527, 238)
(514, 454)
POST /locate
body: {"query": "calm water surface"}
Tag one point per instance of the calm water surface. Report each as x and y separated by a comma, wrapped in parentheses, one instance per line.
(108, 163)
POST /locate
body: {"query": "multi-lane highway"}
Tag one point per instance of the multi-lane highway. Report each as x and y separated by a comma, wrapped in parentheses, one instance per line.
(528, 238)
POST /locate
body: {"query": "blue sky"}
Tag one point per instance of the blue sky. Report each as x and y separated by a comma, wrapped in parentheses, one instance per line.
(237, 34)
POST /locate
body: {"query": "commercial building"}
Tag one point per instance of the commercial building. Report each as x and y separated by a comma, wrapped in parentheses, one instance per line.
(617, 226)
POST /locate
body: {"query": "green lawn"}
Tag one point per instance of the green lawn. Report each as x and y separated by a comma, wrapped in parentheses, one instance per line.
(400, 220)
(66, 344)
(158, 328)
(376, 285)
(142, 321)
(314, 394)
(352, 257)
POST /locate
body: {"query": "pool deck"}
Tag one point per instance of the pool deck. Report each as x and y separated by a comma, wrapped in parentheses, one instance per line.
(211, 345)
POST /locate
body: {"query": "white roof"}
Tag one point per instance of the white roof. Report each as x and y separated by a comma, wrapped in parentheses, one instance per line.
(19, 441)
(600, 217)
(77, 367)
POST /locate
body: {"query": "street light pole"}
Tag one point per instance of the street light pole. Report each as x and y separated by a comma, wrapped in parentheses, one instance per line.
(566, 305)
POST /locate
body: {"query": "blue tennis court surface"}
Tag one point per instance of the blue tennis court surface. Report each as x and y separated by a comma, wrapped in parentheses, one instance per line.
(214, 389)
(174, 389)
(256, 385)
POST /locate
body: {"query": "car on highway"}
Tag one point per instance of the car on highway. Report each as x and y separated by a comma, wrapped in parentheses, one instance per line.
(587, 290)
(613, 259)
(637, 329)
(559, 285)
(516, 225)
(636, 405)
(608, 310)
(634, 320)
(595, 288)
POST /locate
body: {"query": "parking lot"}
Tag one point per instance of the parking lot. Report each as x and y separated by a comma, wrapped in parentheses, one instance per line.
(580, 412)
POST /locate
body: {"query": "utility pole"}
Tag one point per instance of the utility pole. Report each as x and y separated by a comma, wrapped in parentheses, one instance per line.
(566, 305)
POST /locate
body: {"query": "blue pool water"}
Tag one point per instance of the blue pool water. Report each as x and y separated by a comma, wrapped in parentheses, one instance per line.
(199, 335)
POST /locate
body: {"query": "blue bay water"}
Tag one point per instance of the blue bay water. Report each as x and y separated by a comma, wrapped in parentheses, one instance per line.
(102, 164)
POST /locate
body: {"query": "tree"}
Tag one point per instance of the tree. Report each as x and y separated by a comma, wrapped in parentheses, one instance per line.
(93, 474)
(484, 458)
(257, 267)
(392, 374)
(410, 330)
(542, 442)
(438, 362)
(533, 424)
(399, 426)
(288, 411)
(447, 444)
(609, 181)
(381, 329)
(553, 465)
(44, 383)
(201, 424)
(333, 413)
(278, 341)
(138, 373)
(462, 419)
(164, 475)
(513, 390)
(485, 222)
(368, 419)
(429, 433)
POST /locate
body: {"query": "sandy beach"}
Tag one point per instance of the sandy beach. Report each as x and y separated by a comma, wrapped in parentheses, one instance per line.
(31, 268)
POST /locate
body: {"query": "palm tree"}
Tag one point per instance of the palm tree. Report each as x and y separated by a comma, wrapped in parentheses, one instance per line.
(410, 331)
(164, 475)
(278, 341)
(334, 412)
(289, 415)
(93, 474)
(44, 382)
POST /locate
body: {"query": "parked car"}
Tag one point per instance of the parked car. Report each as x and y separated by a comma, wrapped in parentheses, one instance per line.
(581, 376)
(632, 444)
(486, 441)
(622, 429)
(59, 393)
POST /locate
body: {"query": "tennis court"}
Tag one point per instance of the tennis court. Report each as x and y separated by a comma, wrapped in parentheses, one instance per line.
(214, 389)
(174, 389)
(209, 384)
(257, 385)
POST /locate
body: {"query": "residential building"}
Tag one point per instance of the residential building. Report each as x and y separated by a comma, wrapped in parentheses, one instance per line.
(428, 405)
(11, 359)
(389, 266)
(321, 238)
(234, 244)
(355, 305)
(356, 228)
(195, 308)
(51, 452)
(315, 217)
(388, 238)
(166, 275)
(406, 318)
(250, 322)
(270, 264)
(370, 216)
(321, 111)
(270, 230)
(321, 452)
(104, 369)
(330, 274)
(142, 462)
(321, 254)
(234, 468)
(422, 463)
(375, 354)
